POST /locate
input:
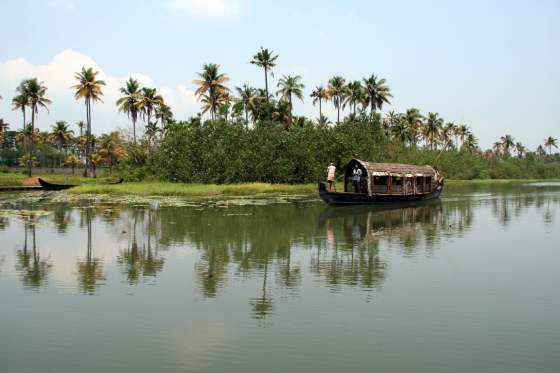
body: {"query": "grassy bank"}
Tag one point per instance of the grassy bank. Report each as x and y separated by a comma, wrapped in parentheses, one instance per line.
(19, 179)
(198, 190)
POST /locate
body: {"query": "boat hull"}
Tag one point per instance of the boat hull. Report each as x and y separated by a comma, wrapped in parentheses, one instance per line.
(334, 198)
(48, 186)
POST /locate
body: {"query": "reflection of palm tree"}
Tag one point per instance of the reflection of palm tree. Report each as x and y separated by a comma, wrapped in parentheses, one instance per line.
(262, 306)
(90, 270)
(33, 270)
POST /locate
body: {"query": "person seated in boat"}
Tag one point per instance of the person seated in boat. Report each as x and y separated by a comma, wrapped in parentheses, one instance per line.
(356, 177)
(408, 186)
(331, 171)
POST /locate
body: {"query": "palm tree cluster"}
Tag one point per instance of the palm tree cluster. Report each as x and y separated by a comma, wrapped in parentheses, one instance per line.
(143, 102)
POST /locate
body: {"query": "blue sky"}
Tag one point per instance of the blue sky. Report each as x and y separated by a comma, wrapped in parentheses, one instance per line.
(493, 65)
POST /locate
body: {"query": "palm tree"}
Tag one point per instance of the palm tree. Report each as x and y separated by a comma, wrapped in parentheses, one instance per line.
(507, 144)
(149, 101)
(72, 161)
(550, 142)
(111, 149)
(61, 134)
(413, 120)
(130, 102)
(21, 100)
(497, 147)
(376, 92)
(35, 92)
(164, 114)
(462, 131)
(3, 129)
(288, 86)
(540, 151)
(446, 135)
(267, 60)
(88, 88)
(95, 160)
(470, 143)
(81, 124)
(519, 149)
(354, 94)
(337, 93)
(318, 95)
(432, 129)
(247, 96)
(211, 86)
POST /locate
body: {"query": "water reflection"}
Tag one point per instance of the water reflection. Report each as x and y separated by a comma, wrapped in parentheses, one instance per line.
(32, 268)
(272, 247)
(90, 269)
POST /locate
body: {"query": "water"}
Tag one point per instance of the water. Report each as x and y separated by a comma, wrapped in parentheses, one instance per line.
(468, 284)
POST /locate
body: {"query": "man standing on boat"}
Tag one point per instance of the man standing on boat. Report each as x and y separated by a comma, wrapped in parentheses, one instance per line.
(331, 170)
(356, 177)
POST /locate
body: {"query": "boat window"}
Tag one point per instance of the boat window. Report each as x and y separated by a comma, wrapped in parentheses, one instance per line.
(380, 180)
(397, 180)
(428, 180)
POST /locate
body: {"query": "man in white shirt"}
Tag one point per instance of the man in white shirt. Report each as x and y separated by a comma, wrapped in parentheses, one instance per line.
(331, 170)
(356, 177)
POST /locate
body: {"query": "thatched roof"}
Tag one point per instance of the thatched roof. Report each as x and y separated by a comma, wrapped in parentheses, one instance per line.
(394, 169)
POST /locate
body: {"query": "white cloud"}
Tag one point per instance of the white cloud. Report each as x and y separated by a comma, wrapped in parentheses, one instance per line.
(58, 75)
(207, 8)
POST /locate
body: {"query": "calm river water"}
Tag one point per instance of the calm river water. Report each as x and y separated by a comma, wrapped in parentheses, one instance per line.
(468, 284)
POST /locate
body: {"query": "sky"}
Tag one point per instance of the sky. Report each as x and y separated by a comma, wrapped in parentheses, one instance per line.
(492, 65)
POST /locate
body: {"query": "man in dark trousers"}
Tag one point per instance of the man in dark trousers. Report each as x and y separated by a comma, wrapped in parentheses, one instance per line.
(356, 177)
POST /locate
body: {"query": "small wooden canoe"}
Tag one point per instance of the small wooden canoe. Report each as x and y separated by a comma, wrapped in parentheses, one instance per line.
(49, 186)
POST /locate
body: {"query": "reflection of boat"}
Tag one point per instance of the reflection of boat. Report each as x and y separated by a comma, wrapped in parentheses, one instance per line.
(333, 212)
(49, 186)
(386, 183)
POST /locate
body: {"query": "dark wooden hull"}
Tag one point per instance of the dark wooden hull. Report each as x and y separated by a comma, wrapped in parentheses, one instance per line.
(48, 186)
(334, 198)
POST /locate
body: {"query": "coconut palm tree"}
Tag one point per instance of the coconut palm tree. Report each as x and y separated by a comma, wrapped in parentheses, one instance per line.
(540, 151)
(507, 144)
(21, 100)
(150, 100)
(95, 161)
(289, 86)
(337, 93)
(247, 96)
(497, 148)
(354, 94)
(164, 114)
(376, 92)
(550, 142)
(267, 60)
(520, 149)
(72, 161)
(432, 129)
(61, 134)
(88, 88)
(461, 131)
(35, 91)
(111, 149)
(446, 135)
(130, 102)
(211, 87)
(413, 120)
(318, 95)
(399, 129)
(470, 143)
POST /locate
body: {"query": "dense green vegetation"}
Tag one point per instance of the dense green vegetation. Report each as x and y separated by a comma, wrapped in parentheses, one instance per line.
(255, 136)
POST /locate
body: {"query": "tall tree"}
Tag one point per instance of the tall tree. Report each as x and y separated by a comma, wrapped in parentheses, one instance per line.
(507, 144)
(267, 60)
(289, 86)
(354, 94)
(111, 149)
(130, 102)
(470, 143)
(61, 134)
(550, 142)
(164, 115)
(519, 149)
(318, 95)
(150, 100)
(35, 92)
(376, 92)
(246, 96)
(432, 129)
(211, 87)
(88, 88)
(21, 100)
(413, 120)
(337, 93)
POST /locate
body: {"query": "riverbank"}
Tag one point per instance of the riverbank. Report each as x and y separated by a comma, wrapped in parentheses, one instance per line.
(162, 188)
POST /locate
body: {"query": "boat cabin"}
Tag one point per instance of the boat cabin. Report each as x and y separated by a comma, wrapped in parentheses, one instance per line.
(392, 178)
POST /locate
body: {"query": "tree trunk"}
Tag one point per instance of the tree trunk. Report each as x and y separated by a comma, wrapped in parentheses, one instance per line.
(266, 83)
(320, 110)
(338, 113)
(246, 117)
(30, 160)
(134, 131)
(23, 111)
